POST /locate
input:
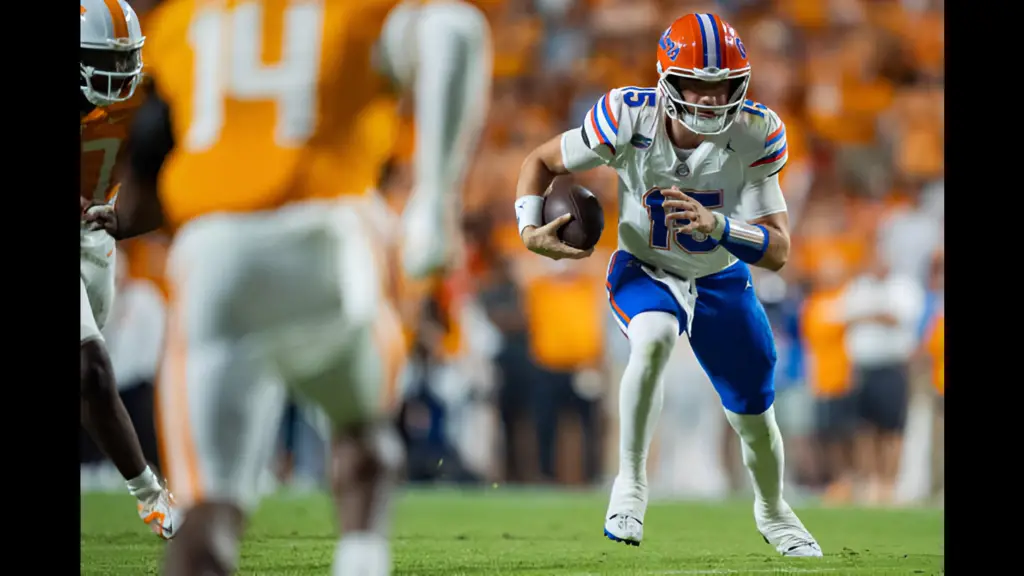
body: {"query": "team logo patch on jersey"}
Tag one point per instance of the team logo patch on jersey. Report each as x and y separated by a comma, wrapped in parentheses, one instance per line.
(640, 141)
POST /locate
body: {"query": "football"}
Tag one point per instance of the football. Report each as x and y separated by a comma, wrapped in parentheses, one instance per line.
(584, 230)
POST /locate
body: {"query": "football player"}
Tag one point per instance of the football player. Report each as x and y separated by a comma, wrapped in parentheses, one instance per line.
(253, 147)
(111, 67)
(701, 203)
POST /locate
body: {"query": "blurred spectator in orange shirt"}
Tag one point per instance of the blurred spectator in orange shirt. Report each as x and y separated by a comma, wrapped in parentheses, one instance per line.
(828, 374)
(564, 304)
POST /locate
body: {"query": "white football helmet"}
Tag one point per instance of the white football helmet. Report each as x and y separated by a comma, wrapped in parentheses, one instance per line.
(111, 54)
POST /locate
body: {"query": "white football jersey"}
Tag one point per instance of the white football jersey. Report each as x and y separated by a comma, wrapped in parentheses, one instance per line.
(734, 173)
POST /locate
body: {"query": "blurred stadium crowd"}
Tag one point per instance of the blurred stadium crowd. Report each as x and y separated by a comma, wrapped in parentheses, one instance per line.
(515, 358)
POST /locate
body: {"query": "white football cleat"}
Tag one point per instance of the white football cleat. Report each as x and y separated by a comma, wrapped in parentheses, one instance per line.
(625, 529)
(161, 514)
(783, 530)
(362, 555)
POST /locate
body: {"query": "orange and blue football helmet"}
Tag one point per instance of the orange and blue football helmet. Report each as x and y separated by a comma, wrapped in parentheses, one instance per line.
(702, 47)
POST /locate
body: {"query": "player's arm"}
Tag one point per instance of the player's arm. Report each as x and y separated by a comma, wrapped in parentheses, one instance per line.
(775, 249)
(763, 239)
(448, 67)
(535, 177)
(138, 210)
(590, 145)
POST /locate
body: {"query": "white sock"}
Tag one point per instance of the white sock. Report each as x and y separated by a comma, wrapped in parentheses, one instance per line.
(145, 485)
(762, 454)
(652, 335)
(362, 554)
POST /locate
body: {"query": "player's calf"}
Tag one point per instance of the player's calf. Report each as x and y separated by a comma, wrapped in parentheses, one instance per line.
(103, 413)
(208, 543)
(761, 443)
(366, 461)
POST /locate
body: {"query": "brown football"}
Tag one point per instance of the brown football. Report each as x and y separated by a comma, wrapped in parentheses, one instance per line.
(584, 230)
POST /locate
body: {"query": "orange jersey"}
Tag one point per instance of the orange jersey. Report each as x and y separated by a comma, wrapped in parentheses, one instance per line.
(272, 102)
(823, 332)
(103, 134)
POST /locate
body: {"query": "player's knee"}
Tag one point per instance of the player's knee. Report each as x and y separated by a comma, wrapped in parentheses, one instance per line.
(97, 375)
(753, 428)
(652, 336)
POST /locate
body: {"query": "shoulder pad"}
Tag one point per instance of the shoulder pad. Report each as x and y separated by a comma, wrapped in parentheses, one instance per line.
(759, 135)
(621, 117)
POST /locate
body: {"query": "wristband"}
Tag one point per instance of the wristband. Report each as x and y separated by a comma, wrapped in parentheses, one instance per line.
(529, 212)
(748, 242)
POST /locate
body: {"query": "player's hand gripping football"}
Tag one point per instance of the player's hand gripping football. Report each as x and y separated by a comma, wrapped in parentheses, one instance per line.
(544, 241)
(686, 215)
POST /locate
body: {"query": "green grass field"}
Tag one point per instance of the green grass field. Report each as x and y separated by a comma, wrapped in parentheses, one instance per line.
(496, 531)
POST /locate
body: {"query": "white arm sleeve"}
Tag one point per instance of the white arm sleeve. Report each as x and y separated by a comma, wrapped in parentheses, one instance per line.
(763, 197)
(576, 155)
(448, 65)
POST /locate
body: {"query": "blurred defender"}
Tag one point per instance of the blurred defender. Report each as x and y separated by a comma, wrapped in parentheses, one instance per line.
(700, 202)
(111, 67)
(252, 148)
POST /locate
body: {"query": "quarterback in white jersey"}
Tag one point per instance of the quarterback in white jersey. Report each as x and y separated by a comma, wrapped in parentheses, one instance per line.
(700, 202)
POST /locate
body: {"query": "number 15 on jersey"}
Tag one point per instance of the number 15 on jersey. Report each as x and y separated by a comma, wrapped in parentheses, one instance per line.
(696, 243)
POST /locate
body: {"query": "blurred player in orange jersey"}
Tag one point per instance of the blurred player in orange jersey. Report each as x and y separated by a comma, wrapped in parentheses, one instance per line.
(111, 66)
(253, 147)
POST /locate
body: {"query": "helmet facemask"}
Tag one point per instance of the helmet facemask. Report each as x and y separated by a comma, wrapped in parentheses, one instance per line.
(703, 119)
(110, 74)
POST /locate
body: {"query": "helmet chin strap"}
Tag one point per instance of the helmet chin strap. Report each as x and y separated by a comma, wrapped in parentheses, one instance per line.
(676, 109)
(704, 125)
